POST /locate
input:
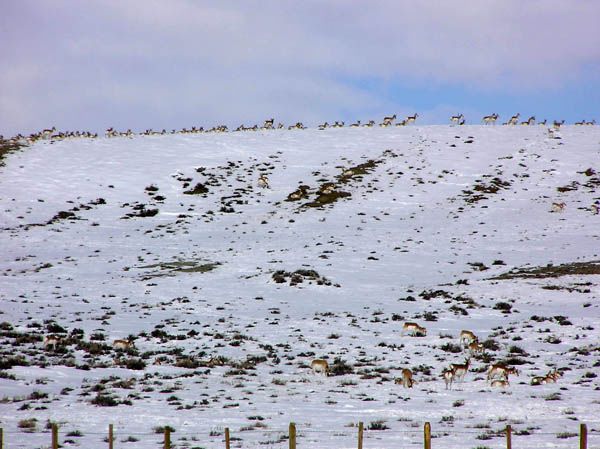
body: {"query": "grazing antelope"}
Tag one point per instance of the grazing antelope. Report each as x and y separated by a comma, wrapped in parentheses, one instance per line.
(467, 337)
(500, 371)
(414, 329)
(51, 340)
(558, 207)
(411, 118)
(122, 344)
(320, 366)
(514, 119)
(448, 376)
(500, 383)
(457, 118)
(460, 370)
(406, 379)
(558, 124)
(263, 181)
(475, 348)
(490, 118)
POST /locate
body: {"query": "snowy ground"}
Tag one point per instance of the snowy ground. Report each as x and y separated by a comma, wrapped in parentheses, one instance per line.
(430, 222)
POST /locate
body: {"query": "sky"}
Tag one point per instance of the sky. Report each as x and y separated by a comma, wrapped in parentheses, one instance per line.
(180, 63)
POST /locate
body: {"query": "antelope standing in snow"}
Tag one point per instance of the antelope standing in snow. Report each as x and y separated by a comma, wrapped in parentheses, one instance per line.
(558, 207)
(355, 125)
(593, 122)
(324, 126)
(402, 123)
(411, 118)
(529, 121)
(467, 337)
(269, 123)
(122, 345)
(500, 383)
(543, 122)
(51, 340)
(490, 118)
(460, 370)
(389, 119)
(475, 348)
(448, 376)
(263, 181)
(456, 118)
(596, 209)
(414, 329)
(500, 371)
(514, 119)
(320, 366)
(558, 124)
(405, 379)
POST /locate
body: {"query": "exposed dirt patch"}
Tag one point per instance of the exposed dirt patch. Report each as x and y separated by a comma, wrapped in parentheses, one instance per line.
(300, 276)
(179, 266)
(553, 271)
(7, 147)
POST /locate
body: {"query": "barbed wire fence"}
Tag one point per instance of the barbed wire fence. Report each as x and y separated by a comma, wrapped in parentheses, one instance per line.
(357, 436)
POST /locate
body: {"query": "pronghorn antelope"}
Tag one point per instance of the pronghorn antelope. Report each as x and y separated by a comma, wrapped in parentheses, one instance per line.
(500, 383)
(411, 118)
(580, 123)
(593, 122)
(529, 121)
(467, 337)
(499, 371)
(299, 193)
(549, 378)
(406, 379)
(543, 122)
(402, 123)
(448, 376)
(370, 123)
(475, 348)
(596, 209)
(457, 118)
(269, 123)
(320, 366)
(389, 119)
(462, 122)
(47, 133)
(460, 370)
(324, 126)
(514, 119)
(263, 181)
(120, 344)
(414, 329)
(51, 340)
(558, 207)
(490, 118)
(558, 124)
(355, 125)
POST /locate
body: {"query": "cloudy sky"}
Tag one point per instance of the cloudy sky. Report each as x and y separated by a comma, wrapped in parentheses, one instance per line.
(140, 64)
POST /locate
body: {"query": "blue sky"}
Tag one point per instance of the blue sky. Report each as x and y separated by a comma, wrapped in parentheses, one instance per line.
(180, 63)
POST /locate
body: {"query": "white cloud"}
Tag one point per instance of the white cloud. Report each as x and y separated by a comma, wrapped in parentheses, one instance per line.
(232, 61)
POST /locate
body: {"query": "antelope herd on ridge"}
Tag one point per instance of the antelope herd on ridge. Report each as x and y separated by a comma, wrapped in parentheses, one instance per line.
(269, 124)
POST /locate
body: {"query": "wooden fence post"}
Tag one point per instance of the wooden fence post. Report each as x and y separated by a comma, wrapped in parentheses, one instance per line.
(110, 437)
(54, 436)
(292, 435)
(361, 430)
(427, 431)
(167, 437)
(227, 438)
(508, 437)
(582, 436)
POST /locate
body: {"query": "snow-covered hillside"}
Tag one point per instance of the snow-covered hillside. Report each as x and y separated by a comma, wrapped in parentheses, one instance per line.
(230, 290)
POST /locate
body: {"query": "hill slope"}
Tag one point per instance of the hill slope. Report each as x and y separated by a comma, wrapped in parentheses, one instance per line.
(231, 290)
